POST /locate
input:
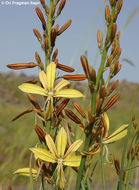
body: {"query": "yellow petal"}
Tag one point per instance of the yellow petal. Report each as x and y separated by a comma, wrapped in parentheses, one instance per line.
(69, 93)
(26, 172)
(61, 142)
(43, 79)
(60, 176)
(107, 120)
(51, 145)
(73, 148)
(73, 161)
(51, 72)
(116, 135)
(43, 155)
(32, 88)
(49, 109)
(61, 84)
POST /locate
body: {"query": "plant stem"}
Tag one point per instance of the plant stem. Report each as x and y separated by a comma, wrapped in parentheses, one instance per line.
(49, 26)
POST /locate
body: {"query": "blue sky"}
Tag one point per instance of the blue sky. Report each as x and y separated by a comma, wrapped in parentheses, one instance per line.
(18, 43)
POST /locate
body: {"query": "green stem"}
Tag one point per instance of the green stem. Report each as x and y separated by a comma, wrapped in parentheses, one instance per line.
(49, 26)
(102, 164)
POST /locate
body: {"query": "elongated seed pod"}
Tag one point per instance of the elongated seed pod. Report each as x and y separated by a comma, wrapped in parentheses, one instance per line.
(53, 11)
(61, 6)
(64, 27)
(107, 14)
(74, 77)
(61, 107)
(78, 108)
(18, 66)
(37, 34)
(111, 102)
(41, 17)
(72, 116)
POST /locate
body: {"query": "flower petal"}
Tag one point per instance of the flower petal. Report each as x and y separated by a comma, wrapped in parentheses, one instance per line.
(32, 88)
(107, 120)
(73, 161)
(49, 109)
(73, 148)
(69, 93)
(51, 145)
(61, 84)
(116, 135)
(43, 155)
(51, 72)
(60, 176)
(61, 142)
(26, 172)
(43, 79)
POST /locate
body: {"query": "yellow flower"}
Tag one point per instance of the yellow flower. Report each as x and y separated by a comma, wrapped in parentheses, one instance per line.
(57, 154)
(47, 80)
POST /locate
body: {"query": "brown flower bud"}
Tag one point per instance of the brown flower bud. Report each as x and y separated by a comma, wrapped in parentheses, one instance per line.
(33, 102)
(17, 66)
(37, 34)
(117, 166)
(61, 107)
(41, 134)
(119, 6)
(72, 116)
(85, 66)
(41, 17)
(56, 2)
(64, 68)
(52, 11)
(46, 44)
(61, 6)
(43, 3)
(114, 86)
(53, 37)
(37, 57)
(64, 27)
(99, 104)
(57, 27)
(23, 113)
(93, 75)
(99, 39)
(103, 92)
(113, 31)
(74, 77)
(111, 102)
(78, 108)
(55, 54)
(107, 14)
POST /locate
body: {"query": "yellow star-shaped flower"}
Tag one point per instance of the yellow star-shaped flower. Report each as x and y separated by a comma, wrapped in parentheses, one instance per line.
(47, 80)
(57, 154)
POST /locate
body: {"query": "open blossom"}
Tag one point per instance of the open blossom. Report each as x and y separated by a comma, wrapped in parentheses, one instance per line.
(47, 80)
(57, 154)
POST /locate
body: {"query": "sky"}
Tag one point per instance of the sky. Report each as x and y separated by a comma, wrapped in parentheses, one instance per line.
(18, 43)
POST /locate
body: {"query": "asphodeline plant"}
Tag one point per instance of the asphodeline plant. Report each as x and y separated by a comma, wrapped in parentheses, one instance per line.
(55, 150)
